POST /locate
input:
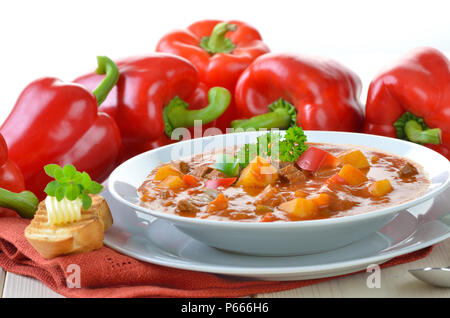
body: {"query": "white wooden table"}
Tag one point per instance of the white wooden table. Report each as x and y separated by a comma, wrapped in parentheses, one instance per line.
(395, 282)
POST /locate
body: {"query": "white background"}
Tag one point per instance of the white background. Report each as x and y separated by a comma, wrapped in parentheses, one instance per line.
(62, 38)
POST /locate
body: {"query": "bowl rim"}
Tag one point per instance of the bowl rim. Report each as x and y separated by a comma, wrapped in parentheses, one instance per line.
(176, 219)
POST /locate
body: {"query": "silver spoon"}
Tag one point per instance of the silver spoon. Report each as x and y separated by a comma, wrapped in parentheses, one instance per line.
(436, 276)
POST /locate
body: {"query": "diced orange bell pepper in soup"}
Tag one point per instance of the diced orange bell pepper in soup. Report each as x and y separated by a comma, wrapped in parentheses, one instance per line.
(269, 217)
(380, 188)
(356, 158)
(167, 170)
(172, 183)
(322, 200)
(258, 173)
(336, 179)
(219, 203)
(352, 175)
(190, 180)
(300, 208)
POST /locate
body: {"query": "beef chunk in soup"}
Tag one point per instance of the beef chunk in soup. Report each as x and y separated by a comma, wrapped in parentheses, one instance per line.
(201, 171)
(407, 170)
(185, 205)
(292, 174)
(182, 166)
(216, 174)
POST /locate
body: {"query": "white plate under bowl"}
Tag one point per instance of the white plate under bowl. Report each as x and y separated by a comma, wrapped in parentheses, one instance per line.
(278, 238)
(156, 241)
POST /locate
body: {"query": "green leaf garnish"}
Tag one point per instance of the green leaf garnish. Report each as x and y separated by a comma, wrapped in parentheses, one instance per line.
(60, 192)
(85, 180)
(86, 200)
(51, 169)
(69, 171)
(77, 177)
(50, 189)
(293, 145)
(95, 187)
(63, 180)
(272, 145)
(72, 192)
(71, 184)
(59, 175)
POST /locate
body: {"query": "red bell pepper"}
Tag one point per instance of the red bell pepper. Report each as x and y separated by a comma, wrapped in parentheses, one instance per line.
(220, 51)
(12, 186)
(11, 177)
(149, 100)
(411, 100)
(222, 182)
(312, 93)
(57, 122)
(315, 158)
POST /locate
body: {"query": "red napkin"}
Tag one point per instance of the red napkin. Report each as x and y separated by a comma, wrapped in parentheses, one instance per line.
(106, 273)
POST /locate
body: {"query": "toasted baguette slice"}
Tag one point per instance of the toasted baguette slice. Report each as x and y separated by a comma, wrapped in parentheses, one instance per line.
(76, 237)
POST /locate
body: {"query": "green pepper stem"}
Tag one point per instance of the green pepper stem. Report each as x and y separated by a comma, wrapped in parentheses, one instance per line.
(25, 203)
(413, 128)
(281, 115)
(108, 67)
(276, 119)
(217, 42)
(417, 134)
(177, 114)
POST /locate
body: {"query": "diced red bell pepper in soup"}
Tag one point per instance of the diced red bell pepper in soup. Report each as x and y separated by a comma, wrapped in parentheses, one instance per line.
(314, 159)
(223, 182)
